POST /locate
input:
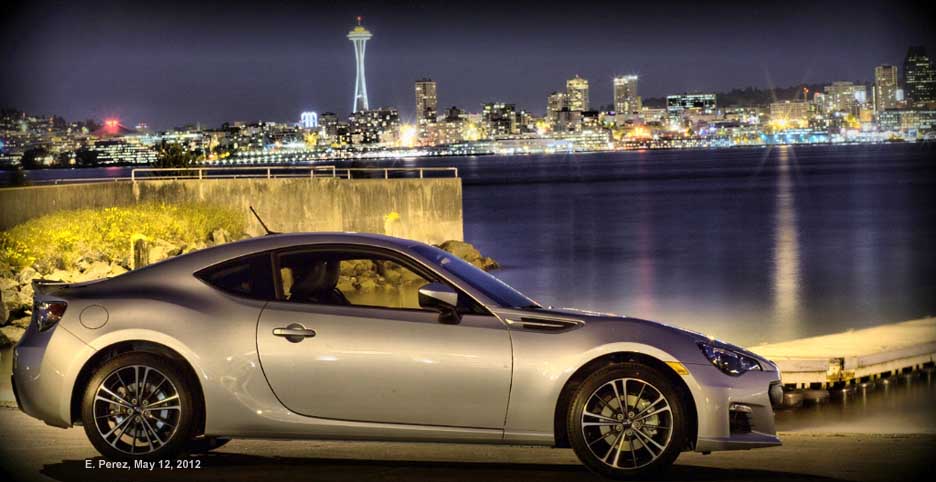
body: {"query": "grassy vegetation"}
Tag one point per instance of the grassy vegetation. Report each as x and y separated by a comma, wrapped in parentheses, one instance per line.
(59, 240)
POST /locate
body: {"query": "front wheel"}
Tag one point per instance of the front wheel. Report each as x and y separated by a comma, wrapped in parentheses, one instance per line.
(138, 406)
(626, 421)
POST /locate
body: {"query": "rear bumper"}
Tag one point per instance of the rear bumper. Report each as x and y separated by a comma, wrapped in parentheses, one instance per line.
(44, 371)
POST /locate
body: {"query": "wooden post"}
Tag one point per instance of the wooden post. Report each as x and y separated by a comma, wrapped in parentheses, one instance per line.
(139, 251)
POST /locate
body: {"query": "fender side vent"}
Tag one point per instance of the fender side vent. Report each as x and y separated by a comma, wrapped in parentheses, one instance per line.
(544, 324)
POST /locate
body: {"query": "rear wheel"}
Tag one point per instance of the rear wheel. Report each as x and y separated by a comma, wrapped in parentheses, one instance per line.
(627, 421)
(139, 406)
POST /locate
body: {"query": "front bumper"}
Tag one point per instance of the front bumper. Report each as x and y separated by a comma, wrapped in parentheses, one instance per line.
(45, 366)
(734, 413)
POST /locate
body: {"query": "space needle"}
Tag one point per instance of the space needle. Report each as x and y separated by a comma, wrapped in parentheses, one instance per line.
(359, 37)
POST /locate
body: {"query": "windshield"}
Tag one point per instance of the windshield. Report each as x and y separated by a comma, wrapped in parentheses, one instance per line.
(493, 288)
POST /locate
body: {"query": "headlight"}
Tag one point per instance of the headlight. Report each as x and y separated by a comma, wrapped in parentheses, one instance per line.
(727, 360)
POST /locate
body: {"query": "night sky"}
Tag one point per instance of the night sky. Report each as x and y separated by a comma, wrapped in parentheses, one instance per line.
(170, 64)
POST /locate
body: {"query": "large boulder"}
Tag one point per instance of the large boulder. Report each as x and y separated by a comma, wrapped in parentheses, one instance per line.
(10, 335)
(470, 254)
(22, 322)
(220, 236)
(96, 270)
(26, 275)
(15, 301)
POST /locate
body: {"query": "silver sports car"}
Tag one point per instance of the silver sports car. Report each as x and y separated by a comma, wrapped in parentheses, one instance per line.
(365, 337)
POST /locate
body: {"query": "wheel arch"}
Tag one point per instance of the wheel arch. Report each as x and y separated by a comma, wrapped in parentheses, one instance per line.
(113, 350)
(568, 390)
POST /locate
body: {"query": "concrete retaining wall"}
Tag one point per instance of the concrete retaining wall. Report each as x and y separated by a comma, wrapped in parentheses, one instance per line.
(427, 210)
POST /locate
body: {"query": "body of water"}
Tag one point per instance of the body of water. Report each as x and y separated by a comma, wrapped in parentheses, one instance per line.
(750, 245)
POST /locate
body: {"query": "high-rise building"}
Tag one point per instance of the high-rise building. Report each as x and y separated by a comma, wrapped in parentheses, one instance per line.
(626, 101)
(919, 77)
(359, 37)
(577, 93)
(844, 97)
(885, 87)
(427, 104)
(499, 119)
(701, 104)
(555, 103)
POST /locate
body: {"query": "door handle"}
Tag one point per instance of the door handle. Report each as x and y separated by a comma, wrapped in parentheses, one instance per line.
(294, 333)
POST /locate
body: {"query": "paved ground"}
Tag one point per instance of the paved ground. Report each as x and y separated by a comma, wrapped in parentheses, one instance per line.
(30, 450)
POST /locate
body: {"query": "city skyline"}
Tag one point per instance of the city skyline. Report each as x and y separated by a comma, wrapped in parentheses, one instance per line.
(248, 96)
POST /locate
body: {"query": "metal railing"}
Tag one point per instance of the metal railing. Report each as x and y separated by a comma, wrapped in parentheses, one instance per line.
(279, 172)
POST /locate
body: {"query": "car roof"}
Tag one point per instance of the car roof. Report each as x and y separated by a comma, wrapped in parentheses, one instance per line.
(197, 260)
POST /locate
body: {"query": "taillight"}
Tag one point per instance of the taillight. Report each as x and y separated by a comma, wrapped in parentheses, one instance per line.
(48, 313)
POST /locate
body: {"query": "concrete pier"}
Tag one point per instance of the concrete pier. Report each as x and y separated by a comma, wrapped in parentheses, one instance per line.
(854, 356)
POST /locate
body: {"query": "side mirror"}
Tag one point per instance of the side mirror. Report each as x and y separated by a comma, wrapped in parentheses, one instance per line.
(442, 298)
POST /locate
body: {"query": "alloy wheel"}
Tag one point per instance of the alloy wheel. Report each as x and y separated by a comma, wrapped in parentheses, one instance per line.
(627, 423)
(137, 409)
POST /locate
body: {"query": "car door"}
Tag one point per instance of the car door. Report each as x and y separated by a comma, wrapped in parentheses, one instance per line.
(366, 352)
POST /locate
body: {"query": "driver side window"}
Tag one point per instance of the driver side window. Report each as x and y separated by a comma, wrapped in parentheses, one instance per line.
(347, 279)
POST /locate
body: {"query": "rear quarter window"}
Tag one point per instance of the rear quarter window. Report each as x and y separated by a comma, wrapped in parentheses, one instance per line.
(247, 277)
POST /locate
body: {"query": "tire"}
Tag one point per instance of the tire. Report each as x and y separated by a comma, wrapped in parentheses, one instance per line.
(156, 422)
(643, 440)
(206, 444)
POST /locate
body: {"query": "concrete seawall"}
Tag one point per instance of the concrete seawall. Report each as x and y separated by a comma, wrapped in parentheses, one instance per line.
(427, 210)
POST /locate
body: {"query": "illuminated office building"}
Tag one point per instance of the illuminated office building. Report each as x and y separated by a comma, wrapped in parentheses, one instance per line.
(844, 97)
(427, 103)
(378, 126)
(679, 105)
(885, 87)
(626, 101)
(919, 77)
(555, 103)
(499, 119)
(577, 93)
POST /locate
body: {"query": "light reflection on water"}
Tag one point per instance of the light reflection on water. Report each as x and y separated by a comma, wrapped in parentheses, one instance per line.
(786, 269)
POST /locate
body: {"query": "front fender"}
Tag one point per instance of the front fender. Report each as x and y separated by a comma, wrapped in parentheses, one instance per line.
(544, 363)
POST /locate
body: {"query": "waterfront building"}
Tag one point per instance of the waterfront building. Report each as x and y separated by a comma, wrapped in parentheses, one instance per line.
(911, 123)
(680, 105)
(653, 115)
(789, 113)
(125, 150)
(626, 100)
(885, 87)
(577, 94)
(499, 119)
(427, 103)
(377, 126)
(919, 77)
(359, 37)
(844, 97)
